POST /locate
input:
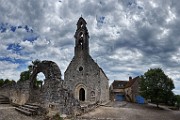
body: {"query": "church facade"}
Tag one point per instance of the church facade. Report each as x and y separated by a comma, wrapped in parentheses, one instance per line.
(83, 76)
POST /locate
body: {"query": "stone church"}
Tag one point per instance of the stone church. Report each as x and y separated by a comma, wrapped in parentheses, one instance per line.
(83, 76)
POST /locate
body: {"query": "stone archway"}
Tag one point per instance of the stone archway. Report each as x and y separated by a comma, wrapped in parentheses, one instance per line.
(50, 70)
(52, 80)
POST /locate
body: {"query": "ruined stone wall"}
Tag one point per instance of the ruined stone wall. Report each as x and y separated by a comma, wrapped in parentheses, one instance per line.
(4, 90)
(18, 93)
(53, 95)
(56, 97)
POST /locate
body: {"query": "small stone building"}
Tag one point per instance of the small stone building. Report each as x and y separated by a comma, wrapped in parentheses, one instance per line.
(132, 89)
(83, 76)
(125, 90)
(117, 90)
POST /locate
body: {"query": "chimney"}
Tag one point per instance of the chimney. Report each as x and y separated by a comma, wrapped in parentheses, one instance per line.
(130, 78)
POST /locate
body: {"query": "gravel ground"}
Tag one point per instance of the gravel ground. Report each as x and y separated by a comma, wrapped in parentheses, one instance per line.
(131, 111)
(113, 111)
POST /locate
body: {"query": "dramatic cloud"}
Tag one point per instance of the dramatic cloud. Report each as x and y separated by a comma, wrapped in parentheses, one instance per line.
(127, 37)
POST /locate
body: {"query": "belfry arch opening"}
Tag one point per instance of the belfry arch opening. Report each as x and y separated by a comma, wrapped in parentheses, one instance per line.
(82, 25)
(82, 94)
(81, 39)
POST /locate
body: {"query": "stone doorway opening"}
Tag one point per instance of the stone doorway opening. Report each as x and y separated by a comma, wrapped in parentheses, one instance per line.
(40, 79)
(82, 94)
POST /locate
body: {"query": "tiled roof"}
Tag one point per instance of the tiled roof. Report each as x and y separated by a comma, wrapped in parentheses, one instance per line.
(131, 82)
(119, 84)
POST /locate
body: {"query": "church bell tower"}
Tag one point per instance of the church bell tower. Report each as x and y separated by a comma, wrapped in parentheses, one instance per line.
(81, 38)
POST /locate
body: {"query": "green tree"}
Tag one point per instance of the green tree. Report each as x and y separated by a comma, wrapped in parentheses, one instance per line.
(156, 86)
(177, 99)
(25, 75)
(1, 82)
(7, 81)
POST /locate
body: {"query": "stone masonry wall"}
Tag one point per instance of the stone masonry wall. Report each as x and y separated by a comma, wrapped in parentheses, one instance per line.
(17, 93)
(104, 87)
(95, 82)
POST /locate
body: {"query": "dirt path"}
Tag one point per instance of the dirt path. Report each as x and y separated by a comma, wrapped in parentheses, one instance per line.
(132, 112)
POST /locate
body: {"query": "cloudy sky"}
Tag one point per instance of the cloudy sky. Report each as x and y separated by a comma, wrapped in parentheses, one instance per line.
(127, 37)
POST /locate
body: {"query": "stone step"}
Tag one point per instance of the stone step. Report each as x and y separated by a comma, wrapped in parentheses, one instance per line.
(28, 109)
(15, 105)
(4, 102)
(4, 99)
(31, 106)
(23, 111)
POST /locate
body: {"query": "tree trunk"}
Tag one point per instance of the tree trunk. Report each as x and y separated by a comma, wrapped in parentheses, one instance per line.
(157, 105)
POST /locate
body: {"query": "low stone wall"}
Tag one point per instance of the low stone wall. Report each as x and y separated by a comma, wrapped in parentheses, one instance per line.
(18, 93)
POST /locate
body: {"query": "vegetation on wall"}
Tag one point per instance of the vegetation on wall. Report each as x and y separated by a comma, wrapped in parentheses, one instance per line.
(25, 75)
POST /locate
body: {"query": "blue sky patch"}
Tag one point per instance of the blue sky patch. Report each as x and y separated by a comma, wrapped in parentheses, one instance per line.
(13, 60)
(6, 26)
(30, 37)
(13, 28)
(19, 27)
(14, 47)
(3, 27)
(100, 21)
(21, 62)
(28, 29)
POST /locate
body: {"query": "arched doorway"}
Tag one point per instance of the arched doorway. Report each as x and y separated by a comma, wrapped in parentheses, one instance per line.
(82, 94)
